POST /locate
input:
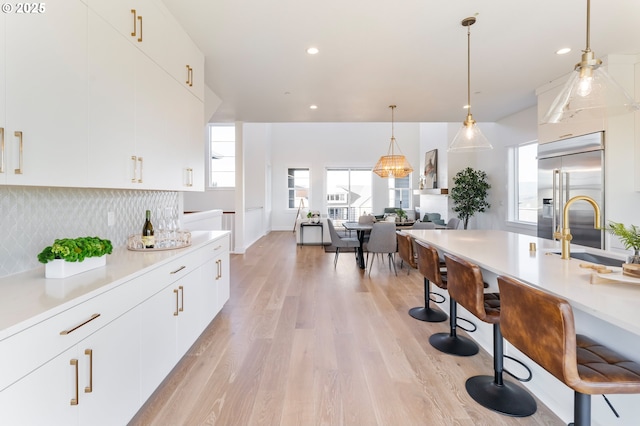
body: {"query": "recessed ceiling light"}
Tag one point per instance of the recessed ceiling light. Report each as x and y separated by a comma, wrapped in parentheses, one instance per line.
(563, 51)
(312, 50)
(313, 106)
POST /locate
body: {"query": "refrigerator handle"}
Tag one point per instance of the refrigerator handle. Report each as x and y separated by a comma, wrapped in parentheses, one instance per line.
(555, 200)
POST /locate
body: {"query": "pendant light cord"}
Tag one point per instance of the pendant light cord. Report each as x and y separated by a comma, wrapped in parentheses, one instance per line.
(469, 69)
(588, 49)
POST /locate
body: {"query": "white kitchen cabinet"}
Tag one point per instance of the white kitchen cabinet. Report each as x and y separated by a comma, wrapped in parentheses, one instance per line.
(215, 279)
(185, 62)
(141, 22)
(84, 384)
(141, 121)
(146, 323)
(554, 132)
(45, 128)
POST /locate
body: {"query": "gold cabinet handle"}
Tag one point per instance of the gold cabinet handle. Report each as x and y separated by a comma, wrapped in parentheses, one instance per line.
(133, 34)
(134, 162)
(140, 37)
(74, 362)
(140, 162)
(1, 149)
(188, 74)
(219, 272)
(71, 330)
(189, 176)
(181, 288)
(175, 314)
(177, 270)
(18, 134)
(89, 389)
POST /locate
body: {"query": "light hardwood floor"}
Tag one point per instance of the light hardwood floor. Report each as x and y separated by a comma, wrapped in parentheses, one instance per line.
(302, 343)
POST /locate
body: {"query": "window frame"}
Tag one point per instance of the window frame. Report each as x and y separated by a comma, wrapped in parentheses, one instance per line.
(210, 159)
(395, 189)
(293, 188)
(514, 201)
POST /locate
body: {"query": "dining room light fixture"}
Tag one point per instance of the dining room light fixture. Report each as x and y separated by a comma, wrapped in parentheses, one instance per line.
(394, 164)
(590, 93)
(469, 137)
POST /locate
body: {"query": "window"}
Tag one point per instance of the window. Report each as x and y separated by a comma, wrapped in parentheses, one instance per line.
(348, 193)
(298, 187)
(222, 147)
(524, 187)
(400, 192)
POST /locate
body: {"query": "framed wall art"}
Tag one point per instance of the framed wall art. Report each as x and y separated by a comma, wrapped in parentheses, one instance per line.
(431, 169)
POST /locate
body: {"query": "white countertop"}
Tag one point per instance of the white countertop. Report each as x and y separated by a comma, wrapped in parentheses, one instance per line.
(507, 253)
(29, 297)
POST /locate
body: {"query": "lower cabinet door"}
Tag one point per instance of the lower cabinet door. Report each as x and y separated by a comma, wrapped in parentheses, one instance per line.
(110, 387)
(94, 383)
(157, 338)
(48, 395)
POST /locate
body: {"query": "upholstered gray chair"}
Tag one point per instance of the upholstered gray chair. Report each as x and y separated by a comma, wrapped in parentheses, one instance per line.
(424, 225)
(340, 242)
(453, 223)
(382, 240)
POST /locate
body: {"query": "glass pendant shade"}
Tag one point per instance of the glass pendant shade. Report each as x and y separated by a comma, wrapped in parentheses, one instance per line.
(393, 165)
(469, 137)
(589, 94)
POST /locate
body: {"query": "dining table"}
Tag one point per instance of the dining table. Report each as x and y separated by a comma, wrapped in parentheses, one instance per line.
(361, 230)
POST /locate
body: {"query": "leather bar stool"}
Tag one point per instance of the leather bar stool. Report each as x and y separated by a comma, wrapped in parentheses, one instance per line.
(449, 343)
(430, 267)
(467, 287)
(405, 251)
(541, 326)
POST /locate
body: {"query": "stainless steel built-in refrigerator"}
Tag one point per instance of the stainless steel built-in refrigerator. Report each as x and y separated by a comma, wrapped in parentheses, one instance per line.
(566, 168)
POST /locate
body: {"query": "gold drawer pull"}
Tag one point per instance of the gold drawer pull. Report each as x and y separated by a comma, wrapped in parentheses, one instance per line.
(18, 134)
(133, 34)
(175, 314)
(140, 20)
(178, 270)
(74, 362)
(181, 288)
(71, 330)
(89, 389)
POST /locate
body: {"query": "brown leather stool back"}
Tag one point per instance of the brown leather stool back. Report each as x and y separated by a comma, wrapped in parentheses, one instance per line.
(405, 249)
(466, 286)
(429, 264)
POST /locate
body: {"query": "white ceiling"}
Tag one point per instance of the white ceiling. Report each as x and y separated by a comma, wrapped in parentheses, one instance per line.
(411, 53)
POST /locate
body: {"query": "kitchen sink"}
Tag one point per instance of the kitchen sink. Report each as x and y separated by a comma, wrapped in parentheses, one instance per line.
(595, 258)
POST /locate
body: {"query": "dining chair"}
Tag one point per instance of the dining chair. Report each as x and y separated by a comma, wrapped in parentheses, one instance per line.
(453, 223)
(382, 240)
(424, 225)
(340, 242)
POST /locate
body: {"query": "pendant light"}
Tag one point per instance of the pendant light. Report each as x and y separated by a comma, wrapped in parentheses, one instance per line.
(590, 93)
(469, 137)
(393, 165)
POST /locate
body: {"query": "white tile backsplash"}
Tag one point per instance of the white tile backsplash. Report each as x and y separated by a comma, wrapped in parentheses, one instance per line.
(31, 218)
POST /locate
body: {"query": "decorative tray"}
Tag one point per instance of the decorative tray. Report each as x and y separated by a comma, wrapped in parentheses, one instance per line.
(164, 241)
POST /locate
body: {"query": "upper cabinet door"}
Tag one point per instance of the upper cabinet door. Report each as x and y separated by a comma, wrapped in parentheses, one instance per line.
(185, 62)
(140, 21)
(46, 96)
(112, 63)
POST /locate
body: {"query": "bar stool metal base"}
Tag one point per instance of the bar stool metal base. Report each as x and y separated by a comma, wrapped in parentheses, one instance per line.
(453, 345)
(428, 314)
(508, 398)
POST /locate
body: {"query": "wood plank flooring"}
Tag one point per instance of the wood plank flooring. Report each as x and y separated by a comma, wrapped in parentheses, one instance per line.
(302, 343)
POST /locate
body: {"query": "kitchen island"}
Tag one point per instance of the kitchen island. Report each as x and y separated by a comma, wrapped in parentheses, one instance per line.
(609, 313)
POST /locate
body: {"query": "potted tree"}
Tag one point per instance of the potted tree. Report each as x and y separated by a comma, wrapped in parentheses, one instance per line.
(469, 193)
(630, 237)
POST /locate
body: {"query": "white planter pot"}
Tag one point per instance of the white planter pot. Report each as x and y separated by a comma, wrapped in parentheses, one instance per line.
(59, 268)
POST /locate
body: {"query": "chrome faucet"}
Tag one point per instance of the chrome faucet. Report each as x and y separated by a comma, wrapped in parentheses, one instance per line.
(565, 236)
